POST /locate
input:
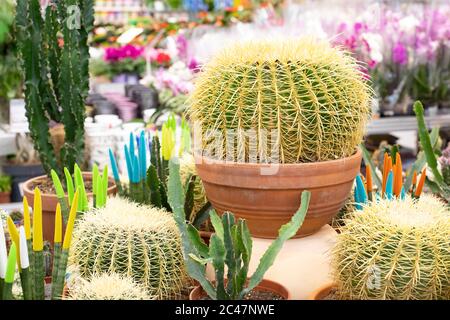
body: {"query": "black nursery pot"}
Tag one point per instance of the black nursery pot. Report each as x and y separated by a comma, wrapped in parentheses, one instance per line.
(20, 174)
(150, 100)
(104, 107)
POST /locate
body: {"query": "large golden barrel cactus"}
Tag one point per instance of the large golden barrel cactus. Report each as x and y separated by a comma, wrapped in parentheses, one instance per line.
(303, 98)
(395, 249)
(131, 239)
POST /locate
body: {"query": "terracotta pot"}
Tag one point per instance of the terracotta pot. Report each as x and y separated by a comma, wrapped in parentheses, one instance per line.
(49, 202)
(5, 197)
(266, 285)
(322, 292)
(268, 201)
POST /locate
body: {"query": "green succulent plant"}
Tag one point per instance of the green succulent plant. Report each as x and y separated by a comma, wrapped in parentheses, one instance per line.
(5, 183)
(230, 247)
(302, 98)
(140, 241)
(395, 249)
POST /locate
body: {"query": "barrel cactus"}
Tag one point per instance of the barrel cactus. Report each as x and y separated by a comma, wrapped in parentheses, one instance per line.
(395, 249)
(140, 241)
(302, 98)
(108, 287)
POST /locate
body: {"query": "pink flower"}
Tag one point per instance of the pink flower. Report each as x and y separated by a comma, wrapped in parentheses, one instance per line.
(399, 54)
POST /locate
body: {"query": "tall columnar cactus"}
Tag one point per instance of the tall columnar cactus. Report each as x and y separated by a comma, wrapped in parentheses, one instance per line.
(302, 98)
(56, 75)
(108, 287)
(395, 249)
(131, 239)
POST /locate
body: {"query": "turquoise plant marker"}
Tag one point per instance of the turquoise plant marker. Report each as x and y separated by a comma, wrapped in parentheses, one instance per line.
(114, 168)
(360, 193)
(390, 186)
(142, 156)
(403, 193)
(132, 144)
(10, 271)
(115, 171)
(136, 171)
(129, 164)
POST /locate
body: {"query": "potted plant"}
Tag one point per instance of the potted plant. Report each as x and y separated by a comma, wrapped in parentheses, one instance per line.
(5, 189)
(393, 249)
(439, 184)
(27, 252)
(229, 251)
(56, 74)
(23, 165)
(121, 64)
(274, 119)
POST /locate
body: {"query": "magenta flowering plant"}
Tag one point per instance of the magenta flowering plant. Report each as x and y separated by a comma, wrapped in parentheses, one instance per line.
(116, 61)
(114, 54)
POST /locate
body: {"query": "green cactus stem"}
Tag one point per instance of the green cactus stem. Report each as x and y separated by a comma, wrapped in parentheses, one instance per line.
(56, 76)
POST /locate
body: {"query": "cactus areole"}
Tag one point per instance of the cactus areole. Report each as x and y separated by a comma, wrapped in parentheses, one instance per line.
(274, 118)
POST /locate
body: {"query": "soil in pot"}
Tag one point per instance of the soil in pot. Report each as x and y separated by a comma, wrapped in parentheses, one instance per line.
(266, 290)
(49, 199)
(46, 186)
(257, 295)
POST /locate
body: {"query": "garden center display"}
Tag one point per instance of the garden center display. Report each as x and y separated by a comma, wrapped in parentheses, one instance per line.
(224, 156)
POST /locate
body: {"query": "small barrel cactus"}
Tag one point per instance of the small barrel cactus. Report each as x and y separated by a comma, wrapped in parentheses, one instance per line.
(108, 287)
(131, 239)
(395, 249)
(302, 98)
(187, 169)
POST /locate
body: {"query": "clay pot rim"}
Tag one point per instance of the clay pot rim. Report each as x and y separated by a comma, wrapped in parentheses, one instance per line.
(85, 174)
(322, 291)
(199, 159)
(264, 284)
